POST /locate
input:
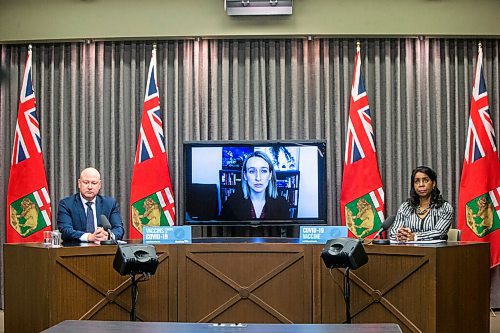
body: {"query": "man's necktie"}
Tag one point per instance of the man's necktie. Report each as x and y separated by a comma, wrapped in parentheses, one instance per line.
(90, 217)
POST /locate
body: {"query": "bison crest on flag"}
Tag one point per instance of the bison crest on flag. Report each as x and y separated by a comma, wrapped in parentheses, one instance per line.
(483, 213)
(154, 210)
(31, 213)
(363, 216)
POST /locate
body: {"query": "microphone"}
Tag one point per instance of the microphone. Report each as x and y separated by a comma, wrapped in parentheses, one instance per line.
(107, 226)
(385, 226)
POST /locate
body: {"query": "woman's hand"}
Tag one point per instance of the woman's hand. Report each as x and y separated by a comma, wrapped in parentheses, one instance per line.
(405, 235)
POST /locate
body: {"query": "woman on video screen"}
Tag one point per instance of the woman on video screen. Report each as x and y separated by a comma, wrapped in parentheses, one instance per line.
(258, 197)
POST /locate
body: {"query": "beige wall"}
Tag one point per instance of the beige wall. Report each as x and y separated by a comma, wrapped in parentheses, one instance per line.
(39, 20)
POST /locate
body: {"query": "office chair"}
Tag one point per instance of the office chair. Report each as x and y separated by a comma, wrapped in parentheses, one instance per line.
(454, 235)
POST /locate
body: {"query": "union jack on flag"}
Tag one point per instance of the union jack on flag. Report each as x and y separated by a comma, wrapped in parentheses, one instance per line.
(360, 137)
(27, 139)
(151, 139)
(480, 133)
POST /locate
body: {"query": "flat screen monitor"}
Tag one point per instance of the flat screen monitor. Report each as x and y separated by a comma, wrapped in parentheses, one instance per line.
(254, 182)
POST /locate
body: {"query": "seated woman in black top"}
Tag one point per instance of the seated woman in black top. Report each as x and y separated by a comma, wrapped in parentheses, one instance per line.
(258, 197)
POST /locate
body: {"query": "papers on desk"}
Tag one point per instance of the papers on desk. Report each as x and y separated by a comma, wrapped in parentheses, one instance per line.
(431, 241)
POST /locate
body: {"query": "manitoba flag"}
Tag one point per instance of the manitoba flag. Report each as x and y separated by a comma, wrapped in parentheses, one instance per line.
(151, 195)
(479, 196)
(28, 200)
(362, 197)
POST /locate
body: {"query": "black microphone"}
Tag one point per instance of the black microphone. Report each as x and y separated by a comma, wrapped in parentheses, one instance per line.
(107, 226)
(385, 226)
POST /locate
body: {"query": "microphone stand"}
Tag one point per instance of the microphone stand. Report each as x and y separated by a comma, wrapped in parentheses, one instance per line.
(134, 291)
(109, 241)
(385, 227)
(381, 241)
(347, 295)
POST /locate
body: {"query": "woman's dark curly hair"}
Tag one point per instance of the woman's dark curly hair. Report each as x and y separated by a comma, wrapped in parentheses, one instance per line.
(436, 198)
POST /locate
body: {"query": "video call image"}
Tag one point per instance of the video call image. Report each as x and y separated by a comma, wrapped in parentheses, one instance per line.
(284, 177)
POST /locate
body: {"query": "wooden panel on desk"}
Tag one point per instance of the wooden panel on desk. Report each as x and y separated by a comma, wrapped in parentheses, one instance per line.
(80, 283)
(25, 289)
(435, 288)
(266, 283)
(465, 279)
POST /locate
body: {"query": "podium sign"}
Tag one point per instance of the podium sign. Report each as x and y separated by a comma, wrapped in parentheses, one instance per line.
(320, 234)
(166, 235)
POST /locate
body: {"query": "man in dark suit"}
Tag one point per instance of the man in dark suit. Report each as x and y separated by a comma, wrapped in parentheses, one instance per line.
(78, 216)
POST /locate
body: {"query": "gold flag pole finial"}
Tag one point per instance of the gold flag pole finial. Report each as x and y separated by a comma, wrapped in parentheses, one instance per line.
(154, 46)
(479, 46)
(358, 45)
(29, 47)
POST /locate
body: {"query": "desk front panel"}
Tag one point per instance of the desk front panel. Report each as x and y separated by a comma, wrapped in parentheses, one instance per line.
(421, 288)
(442, 288)
(249, 283)
(52, 285)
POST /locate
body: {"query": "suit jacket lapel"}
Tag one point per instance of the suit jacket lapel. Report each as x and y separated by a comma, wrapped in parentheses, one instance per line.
(81, 211)
(98, 210)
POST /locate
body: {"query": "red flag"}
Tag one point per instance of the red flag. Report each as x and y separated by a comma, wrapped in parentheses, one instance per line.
(362, 196)
(479, 196)
(151, 194)
(28, 200)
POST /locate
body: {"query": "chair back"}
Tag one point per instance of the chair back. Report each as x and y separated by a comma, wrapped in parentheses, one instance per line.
(454, 235)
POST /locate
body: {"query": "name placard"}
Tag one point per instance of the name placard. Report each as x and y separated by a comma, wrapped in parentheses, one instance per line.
(321, 234)
(166, 235)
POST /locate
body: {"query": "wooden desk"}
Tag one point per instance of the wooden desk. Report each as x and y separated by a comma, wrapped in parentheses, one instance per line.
(44, 286)
(421, 288)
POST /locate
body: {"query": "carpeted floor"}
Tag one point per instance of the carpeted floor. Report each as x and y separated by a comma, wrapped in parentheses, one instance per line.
(495, 321)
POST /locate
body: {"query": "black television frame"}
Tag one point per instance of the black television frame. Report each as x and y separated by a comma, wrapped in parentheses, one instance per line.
(322, 185)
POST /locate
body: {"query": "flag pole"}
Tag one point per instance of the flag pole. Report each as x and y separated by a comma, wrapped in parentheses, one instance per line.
(153, 53)
(358, 46)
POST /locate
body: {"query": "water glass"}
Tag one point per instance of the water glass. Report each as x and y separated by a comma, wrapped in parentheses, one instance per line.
(47, 237)
(56, 238)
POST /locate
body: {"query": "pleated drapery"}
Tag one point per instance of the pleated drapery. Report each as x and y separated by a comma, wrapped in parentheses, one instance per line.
(90, 100)
(90, 95)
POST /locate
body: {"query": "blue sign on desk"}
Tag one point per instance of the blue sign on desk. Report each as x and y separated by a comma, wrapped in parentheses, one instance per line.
(166, 235)
(321, 234)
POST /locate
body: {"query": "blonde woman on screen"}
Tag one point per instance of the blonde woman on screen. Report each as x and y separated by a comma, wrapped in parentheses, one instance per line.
(258, 197)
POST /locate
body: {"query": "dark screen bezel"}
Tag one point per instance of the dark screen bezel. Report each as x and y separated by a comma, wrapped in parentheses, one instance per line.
(322, 197)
